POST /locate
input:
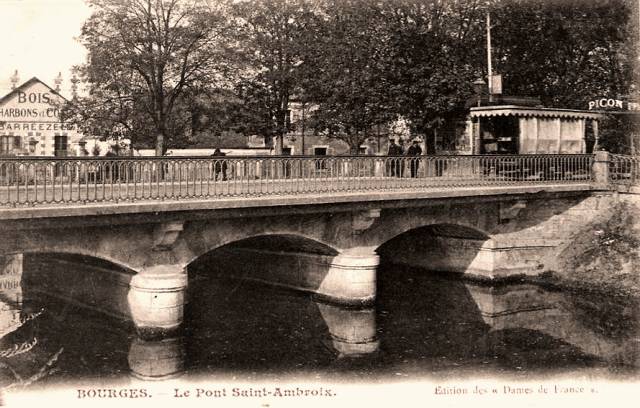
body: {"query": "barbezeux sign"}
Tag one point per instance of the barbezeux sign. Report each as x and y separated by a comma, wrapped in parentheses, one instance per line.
(613, 104)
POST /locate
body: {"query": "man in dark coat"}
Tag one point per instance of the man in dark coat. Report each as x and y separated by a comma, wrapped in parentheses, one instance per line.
(401, 162)
(219, 166)
(395, 150)
(111, 166)
(415, 151)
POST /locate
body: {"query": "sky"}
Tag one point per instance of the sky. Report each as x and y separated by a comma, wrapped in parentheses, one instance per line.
(38, 38)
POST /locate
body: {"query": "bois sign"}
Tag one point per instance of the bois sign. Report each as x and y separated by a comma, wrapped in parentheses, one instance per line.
(30, 122)
(613, 104)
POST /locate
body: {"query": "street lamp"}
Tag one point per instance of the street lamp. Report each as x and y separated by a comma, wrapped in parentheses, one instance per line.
(478, 86)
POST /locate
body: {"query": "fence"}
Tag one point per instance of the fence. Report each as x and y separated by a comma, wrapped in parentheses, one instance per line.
(624, 170)
(31, 180)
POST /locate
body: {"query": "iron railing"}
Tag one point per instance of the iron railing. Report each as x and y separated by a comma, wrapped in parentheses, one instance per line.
(624, 170)
(28, 181)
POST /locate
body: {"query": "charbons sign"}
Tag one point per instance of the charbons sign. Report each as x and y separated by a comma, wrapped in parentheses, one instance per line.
(613, 104)
(30, 105)
(28, 113)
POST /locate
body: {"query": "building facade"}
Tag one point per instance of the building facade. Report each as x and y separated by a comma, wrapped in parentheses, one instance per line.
(303, 140)
(30, 123)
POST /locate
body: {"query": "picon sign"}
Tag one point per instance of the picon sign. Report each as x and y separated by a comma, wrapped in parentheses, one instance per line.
(613, 104)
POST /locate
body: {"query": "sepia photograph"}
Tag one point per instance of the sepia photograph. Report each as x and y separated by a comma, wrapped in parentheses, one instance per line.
(285, 203)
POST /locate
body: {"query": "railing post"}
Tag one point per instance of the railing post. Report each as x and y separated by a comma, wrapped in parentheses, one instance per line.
(602, 161)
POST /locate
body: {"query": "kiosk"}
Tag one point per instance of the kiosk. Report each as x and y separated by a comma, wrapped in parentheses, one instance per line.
(513, 129)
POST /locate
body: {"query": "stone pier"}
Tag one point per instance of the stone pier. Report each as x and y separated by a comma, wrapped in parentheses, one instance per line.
(351, 278)
(157, 297)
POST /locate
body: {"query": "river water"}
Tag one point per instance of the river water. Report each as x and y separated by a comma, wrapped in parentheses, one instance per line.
(423, 326)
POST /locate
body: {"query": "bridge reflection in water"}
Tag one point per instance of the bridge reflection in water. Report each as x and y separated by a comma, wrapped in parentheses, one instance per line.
(422, 326)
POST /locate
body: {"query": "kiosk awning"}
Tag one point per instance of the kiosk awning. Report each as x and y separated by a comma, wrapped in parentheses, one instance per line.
(527, 111)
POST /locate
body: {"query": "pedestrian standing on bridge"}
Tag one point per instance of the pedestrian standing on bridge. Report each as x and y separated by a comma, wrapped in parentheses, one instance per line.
(219, 166)
(401, 161)
(395, 151)
(414, 152)
(111, 167)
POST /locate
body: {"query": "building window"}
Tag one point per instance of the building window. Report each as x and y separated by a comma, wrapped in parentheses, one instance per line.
(10, 144)
(60, 145)
(319, 151)
(321, 164)
(17, 142)
(287, 117)
(6, 145)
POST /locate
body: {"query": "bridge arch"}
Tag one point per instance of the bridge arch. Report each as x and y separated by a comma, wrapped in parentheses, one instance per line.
(294, 262)
(442, 247)
(84, 279)
(277, 242)
(79, 256)
(457, 229)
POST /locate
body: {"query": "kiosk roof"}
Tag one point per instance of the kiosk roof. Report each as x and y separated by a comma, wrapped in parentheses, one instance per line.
(514, 110)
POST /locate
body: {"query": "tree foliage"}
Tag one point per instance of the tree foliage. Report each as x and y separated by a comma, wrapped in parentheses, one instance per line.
(344, 66)
(570, 52)
(142, 57)
(270, 35)
(436, 53)
(178, 72)
(566, 52)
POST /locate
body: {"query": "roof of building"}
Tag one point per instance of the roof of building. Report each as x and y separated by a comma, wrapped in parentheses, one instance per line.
(498, 100)
(515, 110)
(26, 85)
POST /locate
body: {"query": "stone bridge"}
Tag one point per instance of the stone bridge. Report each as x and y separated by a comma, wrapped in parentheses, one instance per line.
(328, 244)
(331, 249)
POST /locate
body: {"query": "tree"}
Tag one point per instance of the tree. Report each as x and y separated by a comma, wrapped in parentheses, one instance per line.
(269, 39)
(142, 56)
(620, 133)
(344, 71)
(566, 52)
(569, 53)
(218, 118)
(435, 54)
(110, 113)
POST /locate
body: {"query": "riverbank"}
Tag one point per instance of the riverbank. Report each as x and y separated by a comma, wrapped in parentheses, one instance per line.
(605, 257)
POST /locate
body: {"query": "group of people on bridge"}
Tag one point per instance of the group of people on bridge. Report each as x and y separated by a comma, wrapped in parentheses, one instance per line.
(397, 149)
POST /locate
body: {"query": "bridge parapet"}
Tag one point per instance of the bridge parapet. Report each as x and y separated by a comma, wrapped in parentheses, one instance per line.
(29, 181)
(622, 171)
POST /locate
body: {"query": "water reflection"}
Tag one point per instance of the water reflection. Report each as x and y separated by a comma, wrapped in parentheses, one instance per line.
(560, 316)
(10, 293)
(422, 326)
(21, 362)
(158, 359)
(353, 331)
